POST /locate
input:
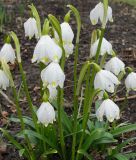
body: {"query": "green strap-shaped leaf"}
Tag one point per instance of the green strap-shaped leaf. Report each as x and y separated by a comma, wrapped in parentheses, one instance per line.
(124, 129)
(123, 144)
(84, 153)
(120, 157)
(11, 139)
(39, 136)
(131, 155)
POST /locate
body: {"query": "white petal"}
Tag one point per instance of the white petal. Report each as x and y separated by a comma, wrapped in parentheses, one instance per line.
(109, 109)
(4, 81)
(130, 81)
(115, 65)
(46, 113)
(8, 53)
(105, 80)
(98, 14)
(30, 27)
(106, 47)
(53, 75)
(47, 50)
(52, 92)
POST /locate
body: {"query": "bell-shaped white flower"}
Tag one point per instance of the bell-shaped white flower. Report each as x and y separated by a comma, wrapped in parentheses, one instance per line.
(4, 81)
(106, 47)
(105, 80)
(53, 75)
(115, 65)
(30, 27)
(109, 109)
(130, 81)
(67, 33)
(8, 53)
(47, 50)
(69, 47)
(67, 37)
(46, 114)
(52, 92)
(98, 14)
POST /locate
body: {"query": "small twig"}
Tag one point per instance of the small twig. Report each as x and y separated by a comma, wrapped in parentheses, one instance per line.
(7, 98)
(123, 98)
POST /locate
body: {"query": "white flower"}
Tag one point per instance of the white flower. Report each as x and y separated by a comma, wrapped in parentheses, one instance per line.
(30, 27)
(67, 37)
(98, 14)
(130, 81)
(67, 33)
(52, 92)
(46, 114)
(106, 47)
(4, 81)
(109, 109)
(69, 47)
(47, 50)
(115, 65)
(105, 80)
(53, 75)
(8, 53)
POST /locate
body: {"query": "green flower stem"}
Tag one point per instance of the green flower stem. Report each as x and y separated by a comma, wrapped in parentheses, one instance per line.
(32, 157)
(75, 103)
(99, 45)
(60, 102)
(18, 108)
(103, 59)
(120, 77)
(28, 95)
(91, 90)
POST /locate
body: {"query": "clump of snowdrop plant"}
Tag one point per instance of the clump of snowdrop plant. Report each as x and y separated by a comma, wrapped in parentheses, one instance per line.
(93, 126)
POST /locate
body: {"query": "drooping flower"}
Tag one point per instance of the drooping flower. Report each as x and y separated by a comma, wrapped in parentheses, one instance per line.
(105, 80)
(109, 109)
(7, 53)
(67, 37)
(31, 29)
(46, 114)
(130, 81)
(52, 92)
(4, 81)
(53, 75)
(98, 14)
(47, 50)
(106, 47)
(115, 65)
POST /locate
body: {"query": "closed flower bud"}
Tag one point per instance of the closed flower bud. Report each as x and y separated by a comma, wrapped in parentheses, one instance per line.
(105, 80)
(53, 75)
(4, 81)
(130, 81)
(109, 109)
(30, 27)
(106, 47)
(46, 114)
(115, 65)
(98, 14)
(7, 53)
(47, 50)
